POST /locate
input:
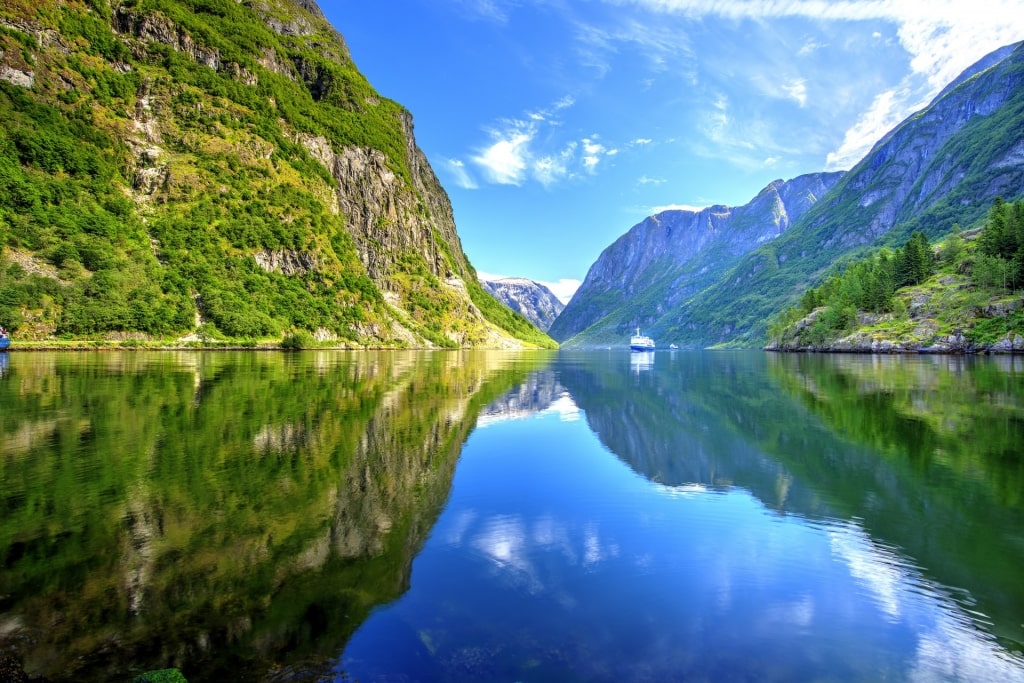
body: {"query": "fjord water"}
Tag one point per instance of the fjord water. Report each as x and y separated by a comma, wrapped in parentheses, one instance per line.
(488, 516)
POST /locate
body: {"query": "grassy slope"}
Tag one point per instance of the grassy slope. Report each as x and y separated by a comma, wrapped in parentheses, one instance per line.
(946, 304)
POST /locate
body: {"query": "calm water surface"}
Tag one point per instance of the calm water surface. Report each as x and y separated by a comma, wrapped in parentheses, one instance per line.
(485, 516)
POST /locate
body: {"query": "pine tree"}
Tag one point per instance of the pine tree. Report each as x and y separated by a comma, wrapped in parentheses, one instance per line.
(993, 239)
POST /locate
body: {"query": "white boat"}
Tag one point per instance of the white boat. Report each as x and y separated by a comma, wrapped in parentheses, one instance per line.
(640, 342)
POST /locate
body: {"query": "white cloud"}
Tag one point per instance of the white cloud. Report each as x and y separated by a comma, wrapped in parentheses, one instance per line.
(885, 112)
(457, 169)
(797, 90)
(565, 408)
(505, 160)
(647, 180)
(664, 48)
(742, 143)
(491, 10)
(810, 47)
(641, 141)
(563, 289)
(593, 151)
(516, 153)
(552, 168)
(676, 207)
(548, 113)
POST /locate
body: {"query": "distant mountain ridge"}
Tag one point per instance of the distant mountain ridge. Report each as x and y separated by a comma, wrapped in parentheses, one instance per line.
(675, 254)
(531, 299)
(943, 165)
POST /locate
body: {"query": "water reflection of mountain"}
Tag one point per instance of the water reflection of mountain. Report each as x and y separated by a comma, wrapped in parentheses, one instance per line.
(668, 426)
(923, 454)
(538, 392)
(221, 513)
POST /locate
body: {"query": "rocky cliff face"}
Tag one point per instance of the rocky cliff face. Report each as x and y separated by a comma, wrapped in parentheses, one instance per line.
(534, 301)
(675, 254)
(267, 180)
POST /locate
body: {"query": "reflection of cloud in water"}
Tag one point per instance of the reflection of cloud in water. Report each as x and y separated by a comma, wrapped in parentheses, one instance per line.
(798, 613)
(594, 551)
(459, 527)
(511, 544)
(681, 490)
(949, 649)
(563, 406)
(876, 570)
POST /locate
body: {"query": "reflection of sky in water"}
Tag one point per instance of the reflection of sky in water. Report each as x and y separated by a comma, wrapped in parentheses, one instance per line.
(555, 561)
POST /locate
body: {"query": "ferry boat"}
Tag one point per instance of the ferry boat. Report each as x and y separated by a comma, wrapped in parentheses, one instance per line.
(640, 342)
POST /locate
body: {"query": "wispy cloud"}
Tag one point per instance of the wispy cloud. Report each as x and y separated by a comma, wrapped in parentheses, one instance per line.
(551, 168)
(490, 10)
(648, 180)
(523, 150)
(796, 90)
(506, 160)
(742, 143)
(886, 112)
(665, 50)
(941, 38)
(459, 174)
(809, 48)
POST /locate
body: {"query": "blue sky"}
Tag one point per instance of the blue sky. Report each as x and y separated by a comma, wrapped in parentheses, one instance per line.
(556, 125)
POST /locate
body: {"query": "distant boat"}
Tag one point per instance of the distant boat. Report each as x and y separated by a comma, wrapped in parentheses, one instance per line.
(639, 342)
(5, 341)
(672, 346)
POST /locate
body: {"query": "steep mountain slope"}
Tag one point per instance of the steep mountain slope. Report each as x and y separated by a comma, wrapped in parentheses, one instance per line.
(673, 255)
(942, 166)
(532, 300)
(173, 166)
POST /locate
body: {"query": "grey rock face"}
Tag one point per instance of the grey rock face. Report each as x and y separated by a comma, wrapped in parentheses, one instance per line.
(534, 301)
(678, 253)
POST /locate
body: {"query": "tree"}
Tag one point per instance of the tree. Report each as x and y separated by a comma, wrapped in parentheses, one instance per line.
(914, 262)
(954, 248)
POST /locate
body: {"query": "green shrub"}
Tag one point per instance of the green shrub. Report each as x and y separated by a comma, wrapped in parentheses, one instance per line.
(300, 339)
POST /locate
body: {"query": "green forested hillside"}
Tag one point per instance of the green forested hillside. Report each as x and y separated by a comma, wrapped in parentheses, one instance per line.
(171, 167)
(962, 295)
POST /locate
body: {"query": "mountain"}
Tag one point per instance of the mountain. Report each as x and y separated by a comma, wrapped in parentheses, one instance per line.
(671, 256)
(942, 166)
(532, 300)
(219, 169)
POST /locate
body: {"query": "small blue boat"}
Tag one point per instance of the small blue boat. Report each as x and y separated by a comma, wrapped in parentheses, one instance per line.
(5, 341)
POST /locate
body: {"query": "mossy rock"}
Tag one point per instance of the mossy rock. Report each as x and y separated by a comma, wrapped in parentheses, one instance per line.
(161, 676)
